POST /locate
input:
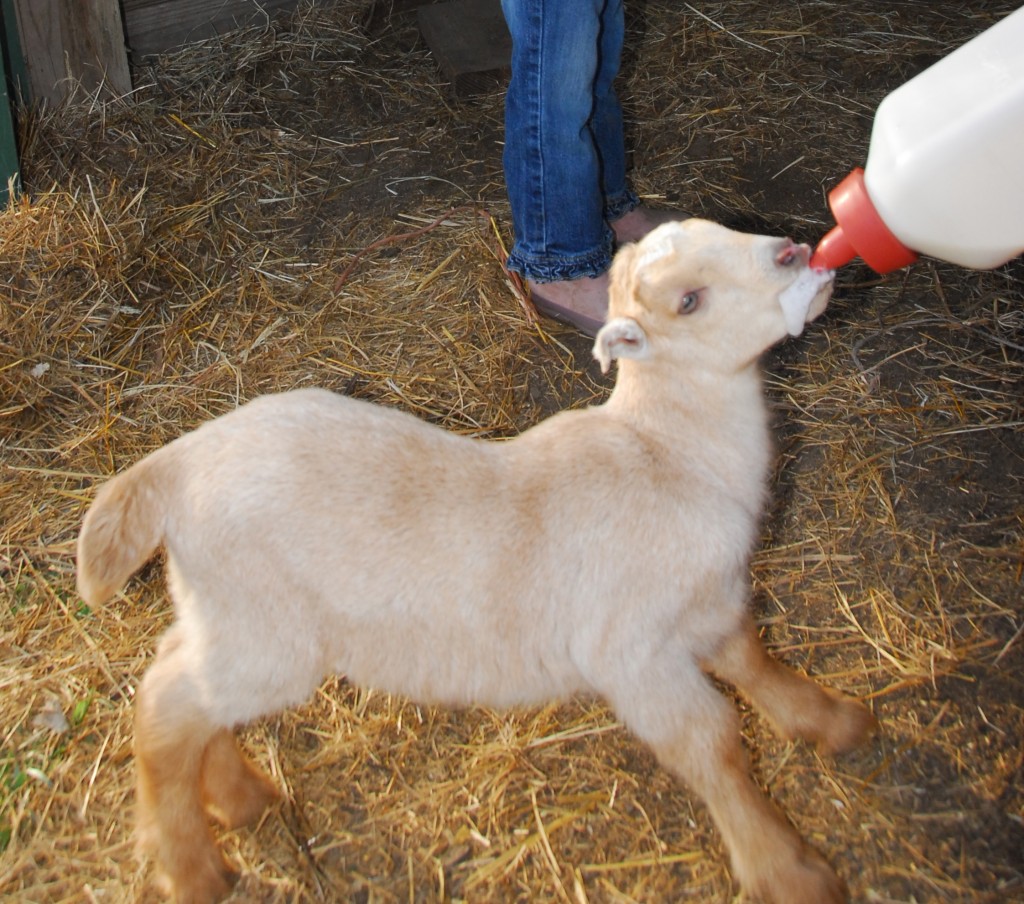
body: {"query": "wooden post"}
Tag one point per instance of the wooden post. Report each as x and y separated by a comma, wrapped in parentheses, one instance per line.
(68, 41)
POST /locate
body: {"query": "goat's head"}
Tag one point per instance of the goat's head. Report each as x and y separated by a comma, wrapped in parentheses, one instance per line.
(694, 290)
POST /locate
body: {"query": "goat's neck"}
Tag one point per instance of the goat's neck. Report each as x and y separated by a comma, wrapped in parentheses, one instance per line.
(722, 414)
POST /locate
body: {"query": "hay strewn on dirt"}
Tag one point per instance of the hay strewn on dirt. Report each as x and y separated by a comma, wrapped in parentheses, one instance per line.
(178, 252)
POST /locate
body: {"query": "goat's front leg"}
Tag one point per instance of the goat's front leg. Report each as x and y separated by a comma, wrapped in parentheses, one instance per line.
(695, 733)
(795, 705)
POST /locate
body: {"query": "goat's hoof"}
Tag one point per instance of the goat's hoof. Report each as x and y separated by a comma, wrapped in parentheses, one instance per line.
(210, 890)
(208, 883)
(807, 879)
(851, 725)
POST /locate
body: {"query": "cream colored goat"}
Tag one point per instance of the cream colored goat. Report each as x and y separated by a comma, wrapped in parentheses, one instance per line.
(605, 551)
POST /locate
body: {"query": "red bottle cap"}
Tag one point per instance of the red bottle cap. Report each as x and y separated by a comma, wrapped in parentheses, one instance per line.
(859, 231)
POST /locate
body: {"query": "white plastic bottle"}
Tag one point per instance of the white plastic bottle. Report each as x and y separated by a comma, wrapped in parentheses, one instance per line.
(945, 170)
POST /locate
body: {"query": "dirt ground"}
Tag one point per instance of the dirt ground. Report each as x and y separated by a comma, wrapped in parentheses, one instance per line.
(179, 252)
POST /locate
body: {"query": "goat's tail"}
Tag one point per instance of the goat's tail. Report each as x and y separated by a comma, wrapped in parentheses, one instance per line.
(122, 529)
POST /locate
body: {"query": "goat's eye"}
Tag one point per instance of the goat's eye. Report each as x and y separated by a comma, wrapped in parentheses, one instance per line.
(690, 302)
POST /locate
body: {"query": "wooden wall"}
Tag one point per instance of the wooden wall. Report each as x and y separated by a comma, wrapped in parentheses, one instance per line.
(154, 26)
(88, 41)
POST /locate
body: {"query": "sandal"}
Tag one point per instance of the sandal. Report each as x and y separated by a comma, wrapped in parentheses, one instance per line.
(584, 323)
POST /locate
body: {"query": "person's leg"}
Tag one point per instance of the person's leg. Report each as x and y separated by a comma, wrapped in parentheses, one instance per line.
(565, 160)
(606, 124)
(630, 221)
(563, 246)
(552, 167)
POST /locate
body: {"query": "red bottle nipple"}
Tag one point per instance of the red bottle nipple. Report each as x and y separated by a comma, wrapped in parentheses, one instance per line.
(860, 231)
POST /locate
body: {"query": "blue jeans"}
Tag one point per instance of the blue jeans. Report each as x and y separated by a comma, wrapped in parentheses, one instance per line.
(564, 158)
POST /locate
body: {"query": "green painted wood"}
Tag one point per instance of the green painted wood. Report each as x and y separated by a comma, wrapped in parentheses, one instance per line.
(12, 64)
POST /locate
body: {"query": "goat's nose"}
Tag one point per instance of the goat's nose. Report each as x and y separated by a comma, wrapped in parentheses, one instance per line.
(792, 254)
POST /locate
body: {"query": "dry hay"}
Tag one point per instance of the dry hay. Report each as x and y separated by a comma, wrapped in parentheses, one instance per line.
(178, 253)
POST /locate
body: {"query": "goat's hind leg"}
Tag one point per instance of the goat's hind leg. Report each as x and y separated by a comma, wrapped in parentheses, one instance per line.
(234, 791)
(172, 734)
(795, 705)
(694, 731)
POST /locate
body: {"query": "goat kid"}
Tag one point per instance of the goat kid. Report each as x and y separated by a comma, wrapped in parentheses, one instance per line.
(604, 551)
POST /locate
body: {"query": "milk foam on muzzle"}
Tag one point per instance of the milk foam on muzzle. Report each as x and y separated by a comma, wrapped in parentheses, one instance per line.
(796, 300)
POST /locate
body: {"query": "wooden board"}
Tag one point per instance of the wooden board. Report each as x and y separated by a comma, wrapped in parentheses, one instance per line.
(471, 42)
(382, 11)
(81, 41)
(154, 26)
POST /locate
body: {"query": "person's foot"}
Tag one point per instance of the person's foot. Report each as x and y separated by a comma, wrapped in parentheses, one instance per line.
(582, 303)
(633, 226)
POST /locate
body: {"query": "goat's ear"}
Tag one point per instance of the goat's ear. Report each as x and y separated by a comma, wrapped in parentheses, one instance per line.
(621, 337)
